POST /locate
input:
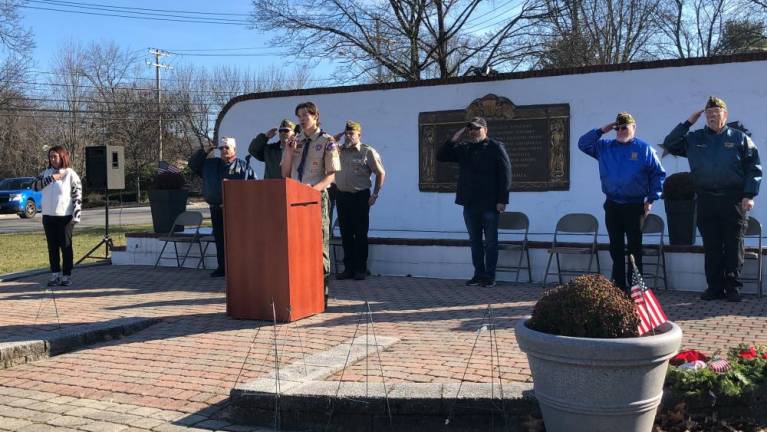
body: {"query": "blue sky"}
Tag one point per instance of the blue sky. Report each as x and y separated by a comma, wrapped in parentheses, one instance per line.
(53, 28)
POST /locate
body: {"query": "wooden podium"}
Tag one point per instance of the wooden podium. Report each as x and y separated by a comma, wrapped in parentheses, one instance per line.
(273, 242)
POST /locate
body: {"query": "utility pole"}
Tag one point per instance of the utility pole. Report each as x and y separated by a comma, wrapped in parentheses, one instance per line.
(158, 53)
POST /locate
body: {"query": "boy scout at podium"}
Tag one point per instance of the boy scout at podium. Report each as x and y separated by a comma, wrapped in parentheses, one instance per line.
(353, 199)
(311, 157)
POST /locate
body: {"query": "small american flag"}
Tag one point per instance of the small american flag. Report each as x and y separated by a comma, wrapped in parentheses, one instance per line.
(648, 308)
(164, 167)
(720, 366)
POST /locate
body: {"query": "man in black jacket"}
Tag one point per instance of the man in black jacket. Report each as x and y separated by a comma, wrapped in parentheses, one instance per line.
(484, 181)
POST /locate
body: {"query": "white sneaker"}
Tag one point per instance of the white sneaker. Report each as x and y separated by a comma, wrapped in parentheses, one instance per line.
(54, 280)
(66, 281)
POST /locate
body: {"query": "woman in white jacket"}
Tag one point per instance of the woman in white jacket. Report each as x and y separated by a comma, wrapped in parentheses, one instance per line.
(62, 202)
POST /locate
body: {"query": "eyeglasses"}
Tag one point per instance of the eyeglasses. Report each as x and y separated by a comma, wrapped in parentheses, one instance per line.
(284, 130)
(223, 147)
(621, 127)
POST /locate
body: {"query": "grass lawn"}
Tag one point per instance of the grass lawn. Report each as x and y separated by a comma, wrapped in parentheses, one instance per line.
(25, 251)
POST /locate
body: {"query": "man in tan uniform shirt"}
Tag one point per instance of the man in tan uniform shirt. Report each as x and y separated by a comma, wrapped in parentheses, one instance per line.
(353, 199)
(311, 157)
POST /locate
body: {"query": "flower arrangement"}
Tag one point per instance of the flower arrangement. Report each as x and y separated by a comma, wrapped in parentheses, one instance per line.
(740, 371)
(168, 180)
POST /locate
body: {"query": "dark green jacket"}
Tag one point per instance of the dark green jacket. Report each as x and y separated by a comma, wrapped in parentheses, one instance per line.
(724, 162)
(269, 154)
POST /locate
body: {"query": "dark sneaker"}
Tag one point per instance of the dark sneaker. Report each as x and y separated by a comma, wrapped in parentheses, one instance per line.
(359, 276)
(345, 275)
(66, 281)
(475, 281)
(488, 283)
(54, 282)
(218, 273)
(712, 295)
(734, 296)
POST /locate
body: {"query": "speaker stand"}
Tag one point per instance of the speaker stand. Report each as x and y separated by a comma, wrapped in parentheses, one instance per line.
(106, 241)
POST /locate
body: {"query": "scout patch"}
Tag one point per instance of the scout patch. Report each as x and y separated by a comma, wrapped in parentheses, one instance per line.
(634, 155)
(729, 145)
(318, 147)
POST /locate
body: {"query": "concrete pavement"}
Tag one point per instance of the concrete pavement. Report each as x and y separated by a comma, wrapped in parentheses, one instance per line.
(179, 372)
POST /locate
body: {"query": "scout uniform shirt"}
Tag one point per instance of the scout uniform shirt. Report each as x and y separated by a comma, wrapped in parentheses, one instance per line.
(358, 162)
(319, 154)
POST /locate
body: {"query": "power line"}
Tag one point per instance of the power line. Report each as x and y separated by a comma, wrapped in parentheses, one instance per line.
(149, 9)
(133, 17)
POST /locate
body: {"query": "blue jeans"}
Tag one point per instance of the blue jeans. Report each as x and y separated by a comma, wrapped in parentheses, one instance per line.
(484, 255)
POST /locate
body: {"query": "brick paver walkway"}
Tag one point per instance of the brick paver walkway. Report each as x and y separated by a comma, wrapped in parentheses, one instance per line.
(179, 372)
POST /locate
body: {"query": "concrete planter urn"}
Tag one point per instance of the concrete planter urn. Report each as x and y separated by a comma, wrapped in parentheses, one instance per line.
(598, 385)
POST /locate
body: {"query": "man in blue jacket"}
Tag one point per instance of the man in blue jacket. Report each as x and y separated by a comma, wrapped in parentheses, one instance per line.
(484, 182)
(632, 179)
(726, 172)
(214, 170)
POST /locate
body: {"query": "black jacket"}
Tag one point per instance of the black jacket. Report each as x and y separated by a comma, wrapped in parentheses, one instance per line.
(484, 177)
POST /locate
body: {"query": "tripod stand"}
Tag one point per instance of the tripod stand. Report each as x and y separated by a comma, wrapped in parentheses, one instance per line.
(106, 241)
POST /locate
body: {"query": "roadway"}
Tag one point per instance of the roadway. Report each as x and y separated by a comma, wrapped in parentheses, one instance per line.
(92, 217)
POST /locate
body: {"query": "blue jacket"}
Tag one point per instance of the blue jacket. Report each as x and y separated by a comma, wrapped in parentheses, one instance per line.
(214, 170)
(630, 172)
(722, 162)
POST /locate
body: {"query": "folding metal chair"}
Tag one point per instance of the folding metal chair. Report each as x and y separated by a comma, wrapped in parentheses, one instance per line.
(192, 219)
(574, 224)
(754, 231)
(516, 224)
(654, 226)
(207, 239)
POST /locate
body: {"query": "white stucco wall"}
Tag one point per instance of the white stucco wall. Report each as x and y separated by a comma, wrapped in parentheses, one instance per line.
(658, 98)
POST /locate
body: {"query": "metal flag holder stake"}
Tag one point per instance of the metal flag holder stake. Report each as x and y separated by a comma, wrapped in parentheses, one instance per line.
(106, 240)
(367, 315)
(52, 292)
(275, 350)
(487, 325)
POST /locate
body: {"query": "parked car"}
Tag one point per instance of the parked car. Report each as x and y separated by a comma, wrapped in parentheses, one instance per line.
(17, 196)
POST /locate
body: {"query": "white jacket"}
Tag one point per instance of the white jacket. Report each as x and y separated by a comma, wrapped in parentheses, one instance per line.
(61, 197)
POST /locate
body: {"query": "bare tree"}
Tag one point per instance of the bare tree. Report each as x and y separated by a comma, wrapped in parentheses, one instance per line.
(13, 35)
(702, 28)
(584, 32)
(395, 39)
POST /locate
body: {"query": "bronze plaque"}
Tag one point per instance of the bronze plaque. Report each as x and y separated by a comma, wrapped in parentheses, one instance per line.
(536, 137)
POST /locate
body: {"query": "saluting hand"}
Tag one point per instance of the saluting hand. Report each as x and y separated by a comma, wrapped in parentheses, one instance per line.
(338, 136)
(695, 116)
(58, 175)
(271, 133)
(608, 127)
(457, 136)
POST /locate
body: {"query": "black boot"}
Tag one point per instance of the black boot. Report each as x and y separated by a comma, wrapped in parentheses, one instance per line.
(326, 290)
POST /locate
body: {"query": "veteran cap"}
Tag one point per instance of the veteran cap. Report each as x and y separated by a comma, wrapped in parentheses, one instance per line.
(624, 118)
(287, 125)
(353, 126)
(715, 102)
(227, 142)
(477, 122)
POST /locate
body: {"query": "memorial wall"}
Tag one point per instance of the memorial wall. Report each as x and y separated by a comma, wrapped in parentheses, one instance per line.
(539, 117)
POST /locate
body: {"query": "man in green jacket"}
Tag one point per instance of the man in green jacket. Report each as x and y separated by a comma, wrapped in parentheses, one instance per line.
(271, 153)
(726, 172)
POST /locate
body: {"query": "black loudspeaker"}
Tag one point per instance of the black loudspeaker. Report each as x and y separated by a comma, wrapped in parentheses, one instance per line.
(104, 167)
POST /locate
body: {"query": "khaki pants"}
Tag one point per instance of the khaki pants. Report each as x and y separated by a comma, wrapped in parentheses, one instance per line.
(325, 203)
